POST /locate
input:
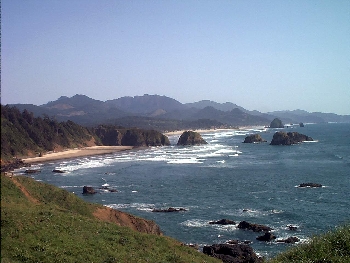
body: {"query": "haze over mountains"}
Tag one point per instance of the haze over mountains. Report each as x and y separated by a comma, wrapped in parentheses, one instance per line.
(164, 113)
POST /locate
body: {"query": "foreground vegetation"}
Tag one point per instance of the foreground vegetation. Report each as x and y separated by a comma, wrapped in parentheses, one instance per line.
(331, 247)
(56, 226)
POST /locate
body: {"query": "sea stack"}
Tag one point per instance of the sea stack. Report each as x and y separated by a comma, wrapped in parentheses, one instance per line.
(191, 138)
(276, 123)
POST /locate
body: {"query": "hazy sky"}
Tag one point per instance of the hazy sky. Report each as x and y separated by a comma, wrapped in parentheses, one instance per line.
(264, 55)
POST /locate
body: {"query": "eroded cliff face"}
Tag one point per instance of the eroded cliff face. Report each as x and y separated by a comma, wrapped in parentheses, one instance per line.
(124, 219)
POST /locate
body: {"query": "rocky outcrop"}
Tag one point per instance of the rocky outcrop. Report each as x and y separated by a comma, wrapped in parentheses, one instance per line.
(309, 185)
(276, 123)
(88, 190)
(223, 222)
(289, 240)
(267, 237)
(254, 138)
(232, 253)
(110, 135)
(301, 124)
(191, 138)
(254, 227)
(170, 209)
(283, 138)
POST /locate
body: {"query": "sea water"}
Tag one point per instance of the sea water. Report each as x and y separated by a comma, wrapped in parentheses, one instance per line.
(224, 179)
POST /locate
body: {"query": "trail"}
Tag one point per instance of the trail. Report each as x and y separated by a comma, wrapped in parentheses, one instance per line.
(25, 191)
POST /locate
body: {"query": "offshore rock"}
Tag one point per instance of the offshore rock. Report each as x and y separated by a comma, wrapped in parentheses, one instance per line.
(191, 138)
(266, 237)
(289, 240)
(88, 190)
(254, 138)
(223, 222)
(310, 185)
(254, 227)
(283, 138)
(276, 123)
(170, 209)
(232, 253)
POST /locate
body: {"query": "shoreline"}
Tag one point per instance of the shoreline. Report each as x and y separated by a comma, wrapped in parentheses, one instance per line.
(99, 150)
(76, 153)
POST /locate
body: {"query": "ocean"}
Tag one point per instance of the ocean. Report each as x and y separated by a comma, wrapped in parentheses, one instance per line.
(224, 179)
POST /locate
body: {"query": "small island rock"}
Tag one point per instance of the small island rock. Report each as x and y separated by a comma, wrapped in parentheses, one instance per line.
(254, 227)
(310, 185)
(88, 190)
(223, 222)
(276, 123)
(283, 138)
(254, 138)
(191, 138)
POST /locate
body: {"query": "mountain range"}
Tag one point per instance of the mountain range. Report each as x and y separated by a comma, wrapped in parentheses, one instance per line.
(164, 113)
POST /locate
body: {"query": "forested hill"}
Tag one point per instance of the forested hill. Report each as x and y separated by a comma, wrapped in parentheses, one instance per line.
(24, 135)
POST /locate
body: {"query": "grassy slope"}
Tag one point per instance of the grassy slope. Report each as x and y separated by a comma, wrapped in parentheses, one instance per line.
(333, 246)
(57, 226)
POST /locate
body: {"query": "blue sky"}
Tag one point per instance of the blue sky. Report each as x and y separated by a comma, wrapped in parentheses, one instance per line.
(262, 55)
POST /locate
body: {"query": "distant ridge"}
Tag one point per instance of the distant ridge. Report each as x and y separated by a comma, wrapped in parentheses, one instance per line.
(164, 113)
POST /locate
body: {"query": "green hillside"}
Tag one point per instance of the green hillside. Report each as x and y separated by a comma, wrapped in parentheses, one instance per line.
(51, 225)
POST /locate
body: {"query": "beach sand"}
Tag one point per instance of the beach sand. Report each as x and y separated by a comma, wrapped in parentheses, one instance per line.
(74, 153)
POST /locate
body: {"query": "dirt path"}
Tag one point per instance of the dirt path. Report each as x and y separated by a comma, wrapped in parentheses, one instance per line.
(25, 191)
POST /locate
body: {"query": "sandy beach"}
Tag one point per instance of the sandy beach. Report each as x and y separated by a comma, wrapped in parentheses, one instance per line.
(74, 153)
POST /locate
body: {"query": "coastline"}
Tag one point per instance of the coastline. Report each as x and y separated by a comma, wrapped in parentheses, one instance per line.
(75, 153)
(98, 150)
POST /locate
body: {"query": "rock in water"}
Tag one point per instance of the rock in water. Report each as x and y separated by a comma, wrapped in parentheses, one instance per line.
(310, 185)
(233, 253)
(266, 237)
(191, 138)
(254, 227)
(88, 190)
(283, 138)
(276, 123)
(223, 222)
(254, 138)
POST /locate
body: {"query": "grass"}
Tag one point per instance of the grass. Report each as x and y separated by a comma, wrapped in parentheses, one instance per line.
(330, 247)
(61, 228)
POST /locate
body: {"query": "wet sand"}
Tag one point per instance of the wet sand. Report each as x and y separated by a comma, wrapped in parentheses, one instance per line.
(74, 153)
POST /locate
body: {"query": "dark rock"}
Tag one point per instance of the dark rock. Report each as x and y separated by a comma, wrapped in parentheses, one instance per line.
(58, 171)
(301, 124)
(88, 190)
(310, 185)
(292, 228)
(266, 237)
(283, 138)
(254, 138)
(276, 123)
(232, 253)
(191, 138)
(289, 240)
(32, 171)
(254, 227)
(236, 242)
(170, 209)
(223, 222)
(13, 164)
